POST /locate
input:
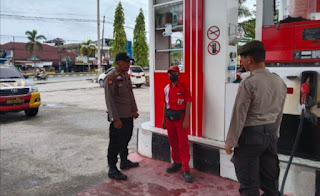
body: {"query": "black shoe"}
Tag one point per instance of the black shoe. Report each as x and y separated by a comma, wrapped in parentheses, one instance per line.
(128, 164)
(187, 176)
(116, 174)
(174, 168)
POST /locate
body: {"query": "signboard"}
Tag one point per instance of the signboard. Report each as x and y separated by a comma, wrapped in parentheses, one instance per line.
(8, 53)
(82, 59)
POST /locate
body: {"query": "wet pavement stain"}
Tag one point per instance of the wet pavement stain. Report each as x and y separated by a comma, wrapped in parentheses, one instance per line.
(151, 179)
(31, 182)
(55, 105)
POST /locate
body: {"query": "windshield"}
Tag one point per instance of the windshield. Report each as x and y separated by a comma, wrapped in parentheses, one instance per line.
(110, 69)
(9, 72)
(136, 69)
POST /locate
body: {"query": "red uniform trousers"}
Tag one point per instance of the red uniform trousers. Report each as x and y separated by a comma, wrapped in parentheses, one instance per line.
(178, 140)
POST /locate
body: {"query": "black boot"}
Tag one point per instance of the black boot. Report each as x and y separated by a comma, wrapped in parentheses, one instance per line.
(187, 176)
(116, 174)
(174, 167)
(127, 164)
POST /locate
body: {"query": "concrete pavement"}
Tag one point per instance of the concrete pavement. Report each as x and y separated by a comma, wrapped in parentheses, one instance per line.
(150, 178)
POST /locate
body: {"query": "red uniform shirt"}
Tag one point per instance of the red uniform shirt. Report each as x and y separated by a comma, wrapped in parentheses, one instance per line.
(176, 97)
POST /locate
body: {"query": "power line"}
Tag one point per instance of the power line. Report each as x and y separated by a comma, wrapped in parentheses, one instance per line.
(46, 13)
(26, 38)
(37, 18)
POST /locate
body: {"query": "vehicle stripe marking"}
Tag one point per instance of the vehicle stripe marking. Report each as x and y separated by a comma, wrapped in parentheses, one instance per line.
(6, 85)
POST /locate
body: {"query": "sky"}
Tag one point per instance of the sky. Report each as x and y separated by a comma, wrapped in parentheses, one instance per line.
(72, 20)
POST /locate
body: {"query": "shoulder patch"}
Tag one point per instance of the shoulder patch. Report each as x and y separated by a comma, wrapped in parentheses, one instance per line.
(110, 80)
(247, 77)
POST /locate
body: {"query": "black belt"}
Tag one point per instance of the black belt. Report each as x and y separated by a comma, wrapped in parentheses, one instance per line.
(267, 127)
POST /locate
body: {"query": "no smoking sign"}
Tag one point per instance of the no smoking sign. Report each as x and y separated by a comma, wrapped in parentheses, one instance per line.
(213, 32)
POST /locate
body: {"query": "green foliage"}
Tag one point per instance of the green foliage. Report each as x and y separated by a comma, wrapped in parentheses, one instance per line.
(249, 29)
(119, 34)
(140, 47)
(248, 26)
(176, 56)
(34, 41)
(87, 48)
(243, 11)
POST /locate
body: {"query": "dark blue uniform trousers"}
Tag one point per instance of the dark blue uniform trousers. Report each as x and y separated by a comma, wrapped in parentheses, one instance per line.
(256, 161)
(119, 140)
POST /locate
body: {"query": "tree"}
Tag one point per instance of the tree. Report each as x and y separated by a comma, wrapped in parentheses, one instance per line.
(87, 48)
(119, 35)
(243, 11)
(177, 55)
(249, 28)
(249, 25)
(140, 47)
(34, 41)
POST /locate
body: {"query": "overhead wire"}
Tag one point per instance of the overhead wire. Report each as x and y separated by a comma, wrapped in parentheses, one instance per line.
(41, 18)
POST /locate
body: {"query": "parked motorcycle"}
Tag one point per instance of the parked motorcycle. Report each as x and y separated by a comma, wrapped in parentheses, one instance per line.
(38, 77)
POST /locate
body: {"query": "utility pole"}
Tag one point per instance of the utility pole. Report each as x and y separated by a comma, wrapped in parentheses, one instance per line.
(59, 56)
(14, 51)
(98, 35)
(102, 40)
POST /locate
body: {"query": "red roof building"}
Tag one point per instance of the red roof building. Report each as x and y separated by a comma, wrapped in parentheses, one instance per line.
(19, 56)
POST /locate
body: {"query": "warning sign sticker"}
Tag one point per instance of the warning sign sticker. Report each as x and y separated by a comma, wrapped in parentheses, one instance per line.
(213, 32)
(214, 47)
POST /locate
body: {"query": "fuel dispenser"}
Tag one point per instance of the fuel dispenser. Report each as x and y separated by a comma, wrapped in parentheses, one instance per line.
(308, 98)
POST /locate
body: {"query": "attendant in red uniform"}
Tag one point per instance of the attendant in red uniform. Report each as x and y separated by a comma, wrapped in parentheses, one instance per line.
(176, 109)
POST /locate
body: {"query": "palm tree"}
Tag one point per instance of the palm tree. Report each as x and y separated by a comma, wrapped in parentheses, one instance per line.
(34, 41)
(249, 28)
(249, 25)
(243, 11)
(87, 49)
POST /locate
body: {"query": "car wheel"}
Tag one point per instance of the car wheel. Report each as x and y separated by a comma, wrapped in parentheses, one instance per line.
(101, 83)
(31, 112)
(138, 85)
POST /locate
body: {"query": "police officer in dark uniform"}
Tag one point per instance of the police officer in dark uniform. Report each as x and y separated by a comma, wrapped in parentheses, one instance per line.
(255, 124)
(122, 108)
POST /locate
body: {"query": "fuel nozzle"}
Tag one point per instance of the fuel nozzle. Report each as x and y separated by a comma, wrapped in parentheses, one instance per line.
(305, 89)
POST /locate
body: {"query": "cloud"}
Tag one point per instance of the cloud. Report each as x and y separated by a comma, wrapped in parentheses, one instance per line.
(69, 20)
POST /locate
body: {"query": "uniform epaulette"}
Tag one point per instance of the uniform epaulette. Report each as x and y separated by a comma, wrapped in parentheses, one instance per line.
(111, 76)
(274, 73)
(113, 73)
(247, 77)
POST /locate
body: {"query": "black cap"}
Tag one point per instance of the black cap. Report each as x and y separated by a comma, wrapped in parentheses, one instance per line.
(123, 56)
